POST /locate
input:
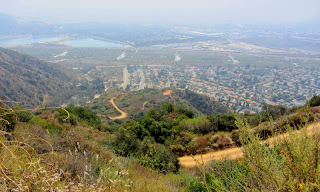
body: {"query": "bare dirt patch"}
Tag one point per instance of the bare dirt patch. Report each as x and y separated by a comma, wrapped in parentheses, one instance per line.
(167, 92)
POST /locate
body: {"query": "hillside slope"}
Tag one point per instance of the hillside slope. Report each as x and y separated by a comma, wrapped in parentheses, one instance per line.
(135, 104)
(234, 152)
(53, 150)
(27, 80)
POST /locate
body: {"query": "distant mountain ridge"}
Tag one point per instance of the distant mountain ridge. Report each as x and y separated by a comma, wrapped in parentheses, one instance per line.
(27, 80)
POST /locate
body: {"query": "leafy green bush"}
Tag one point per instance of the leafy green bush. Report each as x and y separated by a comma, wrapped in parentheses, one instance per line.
(139, 130)
(158, 157)
(126, 143)
(62, 117)
(192, 147)
(178, 149)
(86, 115)
(52, 128)
(197, 125)
(8, 119)
(222, 122)
(274, 112)
(314, 101)
(159, 130)
(148, 152)
(24, 115)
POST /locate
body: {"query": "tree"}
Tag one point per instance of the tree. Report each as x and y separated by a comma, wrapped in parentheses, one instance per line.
(126, 143)
(273, 111)
(223, 122)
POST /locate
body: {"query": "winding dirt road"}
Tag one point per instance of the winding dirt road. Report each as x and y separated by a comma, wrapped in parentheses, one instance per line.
(143, 106)
(231, 153)
(123, 114)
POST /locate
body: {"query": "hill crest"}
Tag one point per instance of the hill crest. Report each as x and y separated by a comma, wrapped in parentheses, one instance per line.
(137, 103)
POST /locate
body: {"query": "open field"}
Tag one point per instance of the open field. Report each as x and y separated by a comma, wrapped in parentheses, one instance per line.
(157, 56)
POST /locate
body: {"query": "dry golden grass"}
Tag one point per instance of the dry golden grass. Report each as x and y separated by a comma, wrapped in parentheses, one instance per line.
(32, 159)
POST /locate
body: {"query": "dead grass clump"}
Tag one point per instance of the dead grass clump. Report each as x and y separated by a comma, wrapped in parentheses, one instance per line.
(34, 159)
(224, 141)
(203, 141)
(220, 141)
(21, 166)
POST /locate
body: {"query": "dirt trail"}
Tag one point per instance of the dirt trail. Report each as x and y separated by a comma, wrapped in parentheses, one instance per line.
(144, 104)
(123, 114)
(231, 153)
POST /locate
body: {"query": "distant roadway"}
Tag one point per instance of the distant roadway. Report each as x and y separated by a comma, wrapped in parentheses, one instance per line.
(142, 80)
(126, 78)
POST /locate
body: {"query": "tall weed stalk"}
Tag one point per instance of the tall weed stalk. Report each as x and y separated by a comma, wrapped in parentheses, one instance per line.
(288, 162)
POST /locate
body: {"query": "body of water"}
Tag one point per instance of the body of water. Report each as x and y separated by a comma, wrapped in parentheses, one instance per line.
(28, 40)
(86, 42)
(89, 42)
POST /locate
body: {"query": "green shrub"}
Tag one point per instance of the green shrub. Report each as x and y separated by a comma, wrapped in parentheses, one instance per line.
(235, 137)
(314, 101)
(178, 149)
(73, 119)
(126, 143)
(139, 130)
(52, 128)
(62, 117)
(222, 122)
(118, 121)
(222, 175)
(197, 125)
(274, 112)
(185, 137)
(193, 147)
(8, 122)
(197, 185)
(158, 157)
(24, 116)
(86, 115)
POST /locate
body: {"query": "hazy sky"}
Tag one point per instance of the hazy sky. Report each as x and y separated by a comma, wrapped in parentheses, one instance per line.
(172, 11)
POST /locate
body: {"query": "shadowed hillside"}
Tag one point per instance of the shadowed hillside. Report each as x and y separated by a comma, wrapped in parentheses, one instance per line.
(27, 80)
